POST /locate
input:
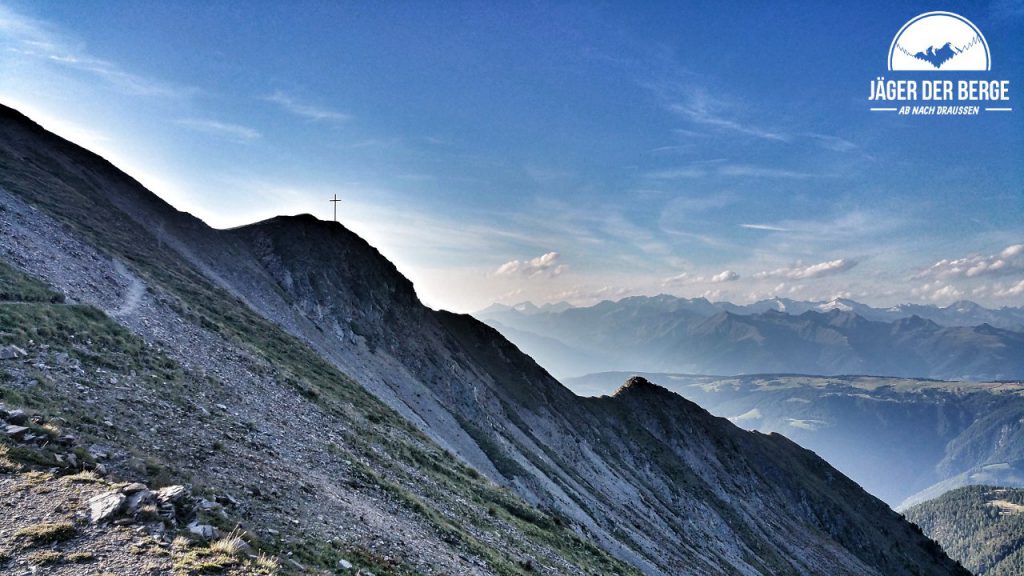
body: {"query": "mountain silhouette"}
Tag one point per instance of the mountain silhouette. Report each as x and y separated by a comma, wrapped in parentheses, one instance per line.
(938, 57)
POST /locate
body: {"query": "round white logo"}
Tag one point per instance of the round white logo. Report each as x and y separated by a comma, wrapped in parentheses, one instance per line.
(939, 41)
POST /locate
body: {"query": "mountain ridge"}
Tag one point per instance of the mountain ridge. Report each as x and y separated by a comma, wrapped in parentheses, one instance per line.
(625, 474)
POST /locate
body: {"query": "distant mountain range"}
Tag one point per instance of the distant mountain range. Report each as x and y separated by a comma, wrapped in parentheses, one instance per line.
(670, 334)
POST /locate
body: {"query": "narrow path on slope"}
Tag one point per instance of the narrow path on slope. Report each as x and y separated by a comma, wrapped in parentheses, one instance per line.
(133, 297)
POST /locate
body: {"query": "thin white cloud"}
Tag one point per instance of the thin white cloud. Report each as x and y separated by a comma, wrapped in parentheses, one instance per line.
(699, 108)
(1010, 260)
(834, 143)
(747, 170)
(801, 271)
(687, 279)
(30, 38)
(306, 110)
(681, 278)
(677, 174)
(235, 132)
(766, 227)
(543, 265)
(728, 170)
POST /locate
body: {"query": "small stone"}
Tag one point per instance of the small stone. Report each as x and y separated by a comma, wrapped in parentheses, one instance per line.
(206, 505)
(100, 469)
(16, 432)
(344, 564)
(222, 407)
(105, 506)
(133, 488)
(170, 493)
(138, 499)
(72, 459)
(17, 417)
(11, 352)
(204, 531)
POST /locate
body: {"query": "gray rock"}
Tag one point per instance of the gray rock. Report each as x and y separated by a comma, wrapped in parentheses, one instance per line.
(133, 488)
(11, 352)
(137, 499)
(204, 531)
(17, 417)
(171, 493)
(344, 564)
(16, 432)
(105, 506)
(99, 452)
(206, 505)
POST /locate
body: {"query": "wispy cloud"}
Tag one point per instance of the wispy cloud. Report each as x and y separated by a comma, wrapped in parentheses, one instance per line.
(834, 143)
(766, 227)
(725, 169)
(234, 132)
(686, 279)
(677, 174)
(305, 110)
(545, 265)
(1008, 261)
(747, 170)
(31, 38)
(698, 107)
(801, 271)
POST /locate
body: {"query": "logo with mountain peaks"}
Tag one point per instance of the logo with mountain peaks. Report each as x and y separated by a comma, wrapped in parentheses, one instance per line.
(939, 41)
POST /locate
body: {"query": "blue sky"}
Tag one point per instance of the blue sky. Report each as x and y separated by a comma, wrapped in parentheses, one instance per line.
(553, 151)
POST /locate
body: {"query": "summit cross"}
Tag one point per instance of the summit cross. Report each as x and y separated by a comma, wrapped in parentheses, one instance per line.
(335, 203)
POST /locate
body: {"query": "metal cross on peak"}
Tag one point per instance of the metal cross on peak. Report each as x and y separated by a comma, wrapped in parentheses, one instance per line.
(335, 202)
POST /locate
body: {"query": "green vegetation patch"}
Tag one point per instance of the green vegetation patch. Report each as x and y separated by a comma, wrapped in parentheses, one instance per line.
(18, 287)
(47, 533)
